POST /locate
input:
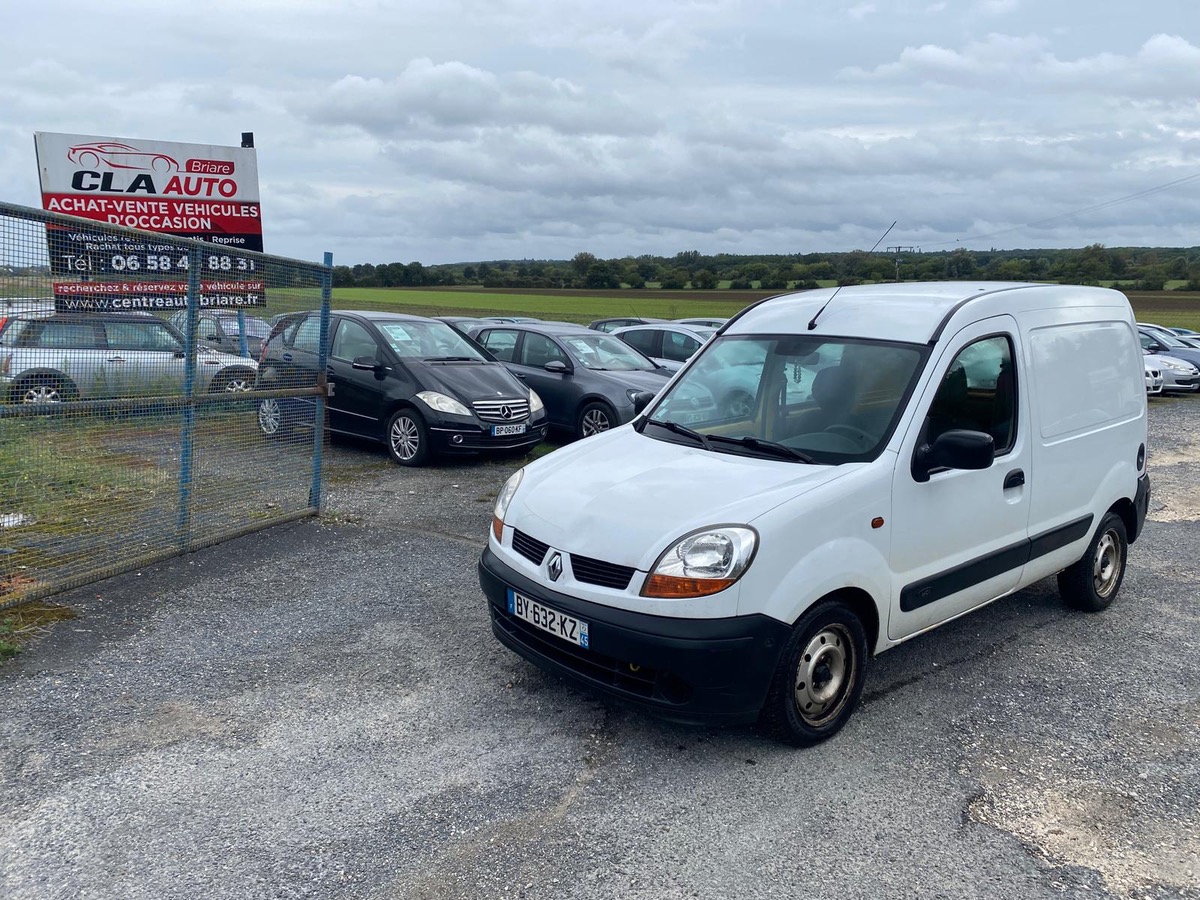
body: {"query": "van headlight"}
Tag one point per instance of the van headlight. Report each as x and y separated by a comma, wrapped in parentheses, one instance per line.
(703, 562)
(442, 403)
(502, 501)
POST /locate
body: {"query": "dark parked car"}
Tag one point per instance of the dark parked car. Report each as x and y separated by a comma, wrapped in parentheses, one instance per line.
(619, 322)
(414, 384)
(219, 330)
(590, 382)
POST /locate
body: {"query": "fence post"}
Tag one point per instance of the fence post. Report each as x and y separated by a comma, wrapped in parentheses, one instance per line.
(314, 493)
(183, 525)
(243, 347)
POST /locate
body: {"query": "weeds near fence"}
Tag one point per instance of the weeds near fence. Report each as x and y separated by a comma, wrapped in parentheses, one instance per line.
(21, 625)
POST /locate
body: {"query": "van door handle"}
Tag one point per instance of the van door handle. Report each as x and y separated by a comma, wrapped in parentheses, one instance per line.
(1015, 478)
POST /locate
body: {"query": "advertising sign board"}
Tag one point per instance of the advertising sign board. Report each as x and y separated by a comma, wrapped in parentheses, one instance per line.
(189, 190)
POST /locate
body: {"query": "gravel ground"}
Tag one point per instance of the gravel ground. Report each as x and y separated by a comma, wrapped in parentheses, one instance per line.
(320, 710)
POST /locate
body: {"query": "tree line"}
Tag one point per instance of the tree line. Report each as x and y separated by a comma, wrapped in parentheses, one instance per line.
(1138, 268)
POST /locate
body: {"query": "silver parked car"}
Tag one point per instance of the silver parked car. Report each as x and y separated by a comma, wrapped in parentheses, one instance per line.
(1177, 375)
(669, 344)
(57, 357)
(1154, 378)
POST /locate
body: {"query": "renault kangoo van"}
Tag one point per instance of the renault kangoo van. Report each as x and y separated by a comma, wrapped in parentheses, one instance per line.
(902, 454)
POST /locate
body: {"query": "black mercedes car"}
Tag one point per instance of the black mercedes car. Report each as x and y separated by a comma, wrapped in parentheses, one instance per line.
(415, 384)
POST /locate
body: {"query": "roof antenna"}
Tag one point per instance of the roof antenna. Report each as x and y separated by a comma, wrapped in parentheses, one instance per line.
(813, 321)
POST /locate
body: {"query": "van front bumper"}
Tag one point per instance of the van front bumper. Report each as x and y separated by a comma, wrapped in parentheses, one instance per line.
(693, 671)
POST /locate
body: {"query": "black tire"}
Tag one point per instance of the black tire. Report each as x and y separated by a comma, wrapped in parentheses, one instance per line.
(819, 679)
(273, 419)
(235, 381)
(407, 438)
(1092, 583)
(594, 418)
(43, 389)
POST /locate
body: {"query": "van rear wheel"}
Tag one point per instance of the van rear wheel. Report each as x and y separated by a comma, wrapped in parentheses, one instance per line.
(820, 676)
(1092, 583)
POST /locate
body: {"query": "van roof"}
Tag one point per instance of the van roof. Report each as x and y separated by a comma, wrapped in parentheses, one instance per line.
(914, 312)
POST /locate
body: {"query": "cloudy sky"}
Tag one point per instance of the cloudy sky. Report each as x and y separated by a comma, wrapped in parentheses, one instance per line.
(461, 130)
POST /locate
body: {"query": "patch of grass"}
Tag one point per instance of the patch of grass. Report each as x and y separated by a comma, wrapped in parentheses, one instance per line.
(569, 306)
(20, 625)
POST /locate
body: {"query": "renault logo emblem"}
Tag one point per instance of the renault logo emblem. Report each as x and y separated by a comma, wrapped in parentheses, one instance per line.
(554, 567)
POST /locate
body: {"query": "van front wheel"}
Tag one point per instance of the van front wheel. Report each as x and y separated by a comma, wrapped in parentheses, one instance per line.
(820, 676)
(1093, 582)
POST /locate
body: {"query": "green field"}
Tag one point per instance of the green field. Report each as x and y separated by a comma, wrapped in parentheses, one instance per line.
(1173, 308)
(569, 306)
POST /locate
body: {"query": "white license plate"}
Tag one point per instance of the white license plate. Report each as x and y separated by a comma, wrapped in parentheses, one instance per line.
(566, 627)
(498, 430)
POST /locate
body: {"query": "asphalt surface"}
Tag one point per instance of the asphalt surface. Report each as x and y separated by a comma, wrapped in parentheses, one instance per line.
(320, 710)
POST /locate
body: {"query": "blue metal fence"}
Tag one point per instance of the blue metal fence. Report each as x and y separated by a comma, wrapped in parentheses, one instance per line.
(129, 425)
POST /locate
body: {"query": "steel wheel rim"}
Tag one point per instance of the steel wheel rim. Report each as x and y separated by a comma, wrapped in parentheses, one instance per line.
(405, 438)
(594, 422)
(825, 675)
(41, 393)
(1106, 565)
(269, 416)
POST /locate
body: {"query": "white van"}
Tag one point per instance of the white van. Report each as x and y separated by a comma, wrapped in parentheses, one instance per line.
(910, 452)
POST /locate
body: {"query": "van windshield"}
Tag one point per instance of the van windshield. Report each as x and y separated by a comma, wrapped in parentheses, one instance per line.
(806, 398)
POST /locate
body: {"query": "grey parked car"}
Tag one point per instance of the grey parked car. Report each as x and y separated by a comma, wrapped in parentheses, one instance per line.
(1164, 343)
(219, 330)
(589, 381)
(620, 322)
(57, 357)
(668, 344)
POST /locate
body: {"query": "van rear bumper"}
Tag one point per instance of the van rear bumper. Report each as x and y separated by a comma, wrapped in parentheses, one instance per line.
(692, 671)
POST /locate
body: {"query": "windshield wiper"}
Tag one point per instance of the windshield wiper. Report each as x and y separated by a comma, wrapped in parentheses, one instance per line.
(685, 431)
(760, 444)
(451, 359)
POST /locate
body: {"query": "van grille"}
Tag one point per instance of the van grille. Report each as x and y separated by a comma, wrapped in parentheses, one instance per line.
(599, 572)
(493, 410)
(530, 548)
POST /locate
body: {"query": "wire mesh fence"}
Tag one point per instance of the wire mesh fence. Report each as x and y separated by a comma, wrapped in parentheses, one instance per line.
(134, 421)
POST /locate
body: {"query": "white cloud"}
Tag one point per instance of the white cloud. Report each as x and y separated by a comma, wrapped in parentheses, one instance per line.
(447, 130)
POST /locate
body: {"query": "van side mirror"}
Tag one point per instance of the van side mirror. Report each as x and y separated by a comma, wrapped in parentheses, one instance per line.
(557, 366)
(954, 449)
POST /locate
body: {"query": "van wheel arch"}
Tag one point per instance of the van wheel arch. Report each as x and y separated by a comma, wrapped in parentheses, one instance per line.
(863, 605)
(1125, 509)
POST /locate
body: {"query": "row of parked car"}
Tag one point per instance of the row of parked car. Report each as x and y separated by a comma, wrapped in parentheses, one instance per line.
(421, 386)
(1172, 359)
(425, 386)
